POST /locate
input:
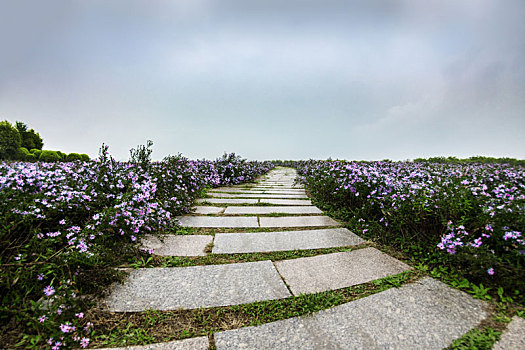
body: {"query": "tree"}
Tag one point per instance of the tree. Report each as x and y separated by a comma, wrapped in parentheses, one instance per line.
(30, 138)
(10, 140)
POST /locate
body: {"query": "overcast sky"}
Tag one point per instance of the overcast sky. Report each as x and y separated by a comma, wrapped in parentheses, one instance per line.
(268, 79)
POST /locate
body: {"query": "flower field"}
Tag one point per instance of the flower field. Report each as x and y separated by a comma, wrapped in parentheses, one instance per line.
(468, 218)
(63, 224)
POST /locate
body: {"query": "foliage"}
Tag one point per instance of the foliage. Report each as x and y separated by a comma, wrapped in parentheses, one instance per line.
(63, 225)
(71, 157)
(30, 138)
(49, 156)
(10, 141)
(142, 154)
(469, 216)
(84, 157)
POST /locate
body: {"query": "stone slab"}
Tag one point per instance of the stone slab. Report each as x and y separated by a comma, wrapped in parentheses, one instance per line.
(218, 221)
(424, 315)
(338, 270)
(252, 195)
(177, 245)
(231, 243)
(286, 201)
(269, 210)
(228, 200)
(208, 210)
(297, 221)
(197, 286)
(514, 337)
(199, 343)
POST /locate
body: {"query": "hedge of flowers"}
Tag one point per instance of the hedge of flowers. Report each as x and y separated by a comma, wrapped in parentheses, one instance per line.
(473, 209)
(62, 222)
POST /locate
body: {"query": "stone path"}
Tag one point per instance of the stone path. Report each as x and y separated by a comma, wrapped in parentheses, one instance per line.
(274, 215)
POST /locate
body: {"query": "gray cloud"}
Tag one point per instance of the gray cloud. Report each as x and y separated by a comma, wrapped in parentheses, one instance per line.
(268, 79)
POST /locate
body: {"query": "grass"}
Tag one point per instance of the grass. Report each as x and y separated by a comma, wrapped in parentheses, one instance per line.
(219, 259)
(125, 329)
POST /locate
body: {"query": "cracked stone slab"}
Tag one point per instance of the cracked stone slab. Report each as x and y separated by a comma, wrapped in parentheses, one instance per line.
(197, 286)
(338, 270)
(286, 201)
(423, 315)
(218, 221)
(269, 210)
(231, 243)
(199, 343)
(514, 337)
(228, 200)
(177, 245)
(297, 221)
(208, 210)
(252, 195)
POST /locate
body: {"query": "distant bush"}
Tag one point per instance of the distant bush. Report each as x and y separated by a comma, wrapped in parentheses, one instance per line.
(30, 138)
(62, 155)
(475, 159)
(36, 152)
(71, 157)
(22, 154)
(30, 157)
(49, 156)
(10, 141)
(85, 157)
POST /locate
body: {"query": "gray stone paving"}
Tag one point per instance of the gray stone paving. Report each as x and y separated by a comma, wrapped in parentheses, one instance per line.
(269, 210)
(338, 270)
(286, 201)
(251, 195)
(228, 200)
(514, 337)
(177, 245)
(297, 221)
(197, 286)
(218, 221)
(199, 343)
(208, 210)
(423, 315)
(230, 243)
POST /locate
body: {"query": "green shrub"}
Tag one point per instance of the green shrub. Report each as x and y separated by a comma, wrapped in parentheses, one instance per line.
(22, 154)
(10, 141)
(36, 152)
(30, 157)
(85, 157)
(30, 138)
(71, 157)
(62, 155)
(49, 156)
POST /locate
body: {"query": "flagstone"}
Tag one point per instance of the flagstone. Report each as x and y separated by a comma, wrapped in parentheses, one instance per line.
(297, 221)
(338, 270)
(197, 286)
(286, 201)
(177, 245)
(269, 210)
(199, 343)
(218, 221)
(231, 243)
(423, 315)
(208, 210)
(228, 200)
(514, 337)
(252, 195)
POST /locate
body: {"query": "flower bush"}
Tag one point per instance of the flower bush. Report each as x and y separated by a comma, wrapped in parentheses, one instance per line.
(474, 209)
(63, 224)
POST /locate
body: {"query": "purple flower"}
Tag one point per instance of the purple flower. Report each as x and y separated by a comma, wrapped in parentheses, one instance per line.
(84, 342)
(40, 277)
(49, 291)
(42, 319)
(490, 271)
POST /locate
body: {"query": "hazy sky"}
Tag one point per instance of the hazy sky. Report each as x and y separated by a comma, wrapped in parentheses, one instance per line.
(268, 79)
